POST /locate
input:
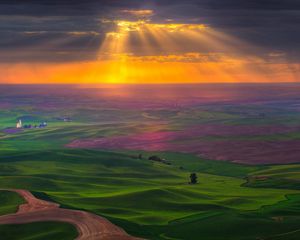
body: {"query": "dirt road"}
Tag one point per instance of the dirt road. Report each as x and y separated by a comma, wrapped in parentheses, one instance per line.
(89, 226)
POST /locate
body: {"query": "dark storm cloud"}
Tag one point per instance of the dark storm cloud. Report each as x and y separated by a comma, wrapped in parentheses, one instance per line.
(64, 7)
(239, 4)
(272, 25)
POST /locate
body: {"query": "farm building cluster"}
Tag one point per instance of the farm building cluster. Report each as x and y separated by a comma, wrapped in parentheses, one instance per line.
(20, 125)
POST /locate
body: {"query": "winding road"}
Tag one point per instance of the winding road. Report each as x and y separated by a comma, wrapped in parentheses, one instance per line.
(88, 225)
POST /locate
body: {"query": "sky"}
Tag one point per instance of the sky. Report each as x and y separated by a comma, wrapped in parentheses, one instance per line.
(154, 41)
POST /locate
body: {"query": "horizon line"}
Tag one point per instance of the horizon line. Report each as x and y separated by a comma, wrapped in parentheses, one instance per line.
(132, 84)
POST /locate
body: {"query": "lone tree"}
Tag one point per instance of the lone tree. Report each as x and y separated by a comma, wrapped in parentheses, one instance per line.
(193, 178)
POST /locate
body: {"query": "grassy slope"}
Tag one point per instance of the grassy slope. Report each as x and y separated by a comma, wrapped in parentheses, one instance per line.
(38, 231)
(9, 202)
(150, 199)
(282, 176)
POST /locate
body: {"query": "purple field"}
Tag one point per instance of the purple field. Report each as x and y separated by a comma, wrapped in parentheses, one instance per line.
(243, 123)
(191, 141)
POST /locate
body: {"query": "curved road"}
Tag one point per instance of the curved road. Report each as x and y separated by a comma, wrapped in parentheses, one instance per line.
(89, 226)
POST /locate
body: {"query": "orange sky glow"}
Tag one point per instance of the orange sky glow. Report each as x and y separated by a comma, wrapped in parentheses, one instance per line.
(142, 52)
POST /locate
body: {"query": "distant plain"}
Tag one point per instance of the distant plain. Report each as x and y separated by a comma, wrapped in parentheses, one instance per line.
(242, 140)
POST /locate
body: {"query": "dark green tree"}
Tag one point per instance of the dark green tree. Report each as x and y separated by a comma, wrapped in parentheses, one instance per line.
(194, 178)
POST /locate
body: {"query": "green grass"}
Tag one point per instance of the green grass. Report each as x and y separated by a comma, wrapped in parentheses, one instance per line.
(282, 176)
(153, 200)
(38, 231)
(190, 162)
(148, 199)
(9, 202)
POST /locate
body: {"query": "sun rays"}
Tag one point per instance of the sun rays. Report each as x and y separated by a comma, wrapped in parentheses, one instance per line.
(142, 51)
(147, 37)
(146, 52)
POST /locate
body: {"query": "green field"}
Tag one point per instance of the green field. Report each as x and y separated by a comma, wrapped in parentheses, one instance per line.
(9, 202)
(154, 200)
(38, 231)
(150, 199)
